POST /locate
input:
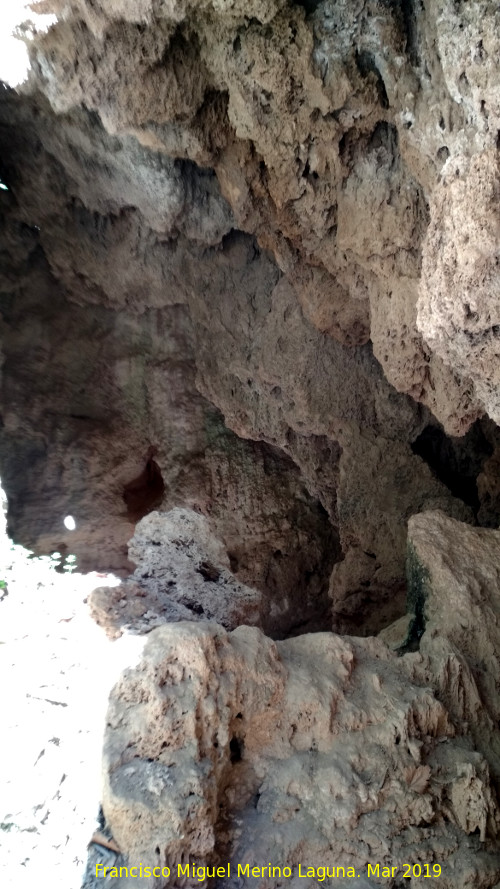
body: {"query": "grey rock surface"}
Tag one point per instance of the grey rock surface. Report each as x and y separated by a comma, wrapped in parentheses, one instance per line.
(183, 574)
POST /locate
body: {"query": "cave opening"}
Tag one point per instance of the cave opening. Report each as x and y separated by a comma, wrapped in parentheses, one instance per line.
(310, 6)
(145, 492)
(183, 286)
(236, 750)
(455, 461)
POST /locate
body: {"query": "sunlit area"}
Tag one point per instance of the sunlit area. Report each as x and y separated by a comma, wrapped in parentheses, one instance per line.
(57, 668)
(18, 22)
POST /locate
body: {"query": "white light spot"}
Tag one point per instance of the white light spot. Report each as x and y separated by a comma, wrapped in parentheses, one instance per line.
(3, 186)
(69, 523)
(19, 23)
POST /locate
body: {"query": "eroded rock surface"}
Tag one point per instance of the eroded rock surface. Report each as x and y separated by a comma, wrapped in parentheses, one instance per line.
(222, 205)
(183, 574)
(455, 588)
(328, 127)
(113, 412)
(248, 268)
(229, 747)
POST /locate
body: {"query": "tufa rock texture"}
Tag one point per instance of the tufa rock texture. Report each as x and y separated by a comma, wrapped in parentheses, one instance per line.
(321, 750)
(250, 241)
(455, 590)
(184, 573)
(329, 127)
(249, 319)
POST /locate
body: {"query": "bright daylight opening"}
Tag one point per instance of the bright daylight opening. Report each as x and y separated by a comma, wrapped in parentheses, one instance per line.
(69, 523)
(60, 668)
(18, 21)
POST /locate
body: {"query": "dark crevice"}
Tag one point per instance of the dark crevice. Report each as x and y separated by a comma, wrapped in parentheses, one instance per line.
(310, 6)
(418, 585)
(208, 572)
(236, 750)
(409, 16)
(366, 66)
(456, 462)
(144, 493)
(385, 135)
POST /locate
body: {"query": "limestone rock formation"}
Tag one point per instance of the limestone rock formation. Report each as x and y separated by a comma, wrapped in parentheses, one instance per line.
(322, 750)
(232, 239)
(249, 319)
(327, 125)
(183, 574)
(458, 308)
(317, 750)
(455, 588)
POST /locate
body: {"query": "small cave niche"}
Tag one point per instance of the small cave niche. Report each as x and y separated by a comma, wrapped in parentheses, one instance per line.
(208, 571)
(236, 750)
(455, 461)
(411, 11)
(310, 6)
(367, 65)
(145, 492)
(385, 136)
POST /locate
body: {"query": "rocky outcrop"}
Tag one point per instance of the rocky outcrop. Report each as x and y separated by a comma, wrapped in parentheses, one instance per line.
(458, 306)
(328, 127)
(233, 239)
(183, 574)
(248, 295)
(321, 750)
(314, 751)
(455, 590)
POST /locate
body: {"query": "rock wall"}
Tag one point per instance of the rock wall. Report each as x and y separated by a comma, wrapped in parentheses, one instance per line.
(249, 319)
(184, 573)
(232, 241)
(316, 750)
(245, 238)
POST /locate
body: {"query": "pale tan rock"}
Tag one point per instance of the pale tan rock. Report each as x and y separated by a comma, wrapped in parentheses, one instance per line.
(184, 572)
(380, 484)
(396, 634)
(455, 590)
(229, 747)
(328, 128)
(458, 306)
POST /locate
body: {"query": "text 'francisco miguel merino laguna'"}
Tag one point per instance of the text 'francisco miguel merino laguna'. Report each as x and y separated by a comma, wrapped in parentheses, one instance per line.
(320, 873)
